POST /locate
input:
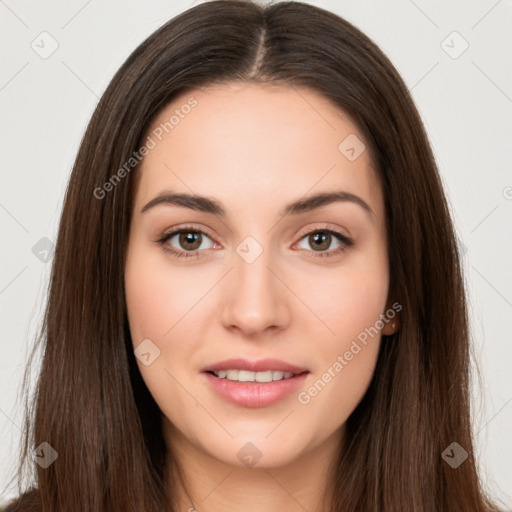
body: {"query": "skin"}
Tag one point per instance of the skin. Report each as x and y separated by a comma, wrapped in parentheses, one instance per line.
(256, 148)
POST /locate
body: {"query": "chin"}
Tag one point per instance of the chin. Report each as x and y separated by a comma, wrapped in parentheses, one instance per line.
(257, 451)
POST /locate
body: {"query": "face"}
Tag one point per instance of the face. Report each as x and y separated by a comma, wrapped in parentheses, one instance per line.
(289, 288)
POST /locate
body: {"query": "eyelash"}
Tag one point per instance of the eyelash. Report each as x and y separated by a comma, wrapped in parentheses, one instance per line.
(345, 242)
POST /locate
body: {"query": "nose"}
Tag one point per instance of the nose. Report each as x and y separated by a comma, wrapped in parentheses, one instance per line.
(256, 299)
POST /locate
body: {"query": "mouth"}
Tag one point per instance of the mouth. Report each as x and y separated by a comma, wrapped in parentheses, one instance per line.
(260, 366)
(248, 376)
(254, 383)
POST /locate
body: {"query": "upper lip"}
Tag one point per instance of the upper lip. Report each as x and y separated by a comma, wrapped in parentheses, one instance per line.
(260, 365)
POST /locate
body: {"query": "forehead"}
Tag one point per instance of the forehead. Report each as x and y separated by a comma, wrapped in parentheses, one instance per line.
(246, 142)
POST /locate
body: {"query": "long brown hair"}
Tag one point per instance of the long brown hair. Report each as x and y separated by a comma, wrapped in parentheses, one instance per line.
(91, 404)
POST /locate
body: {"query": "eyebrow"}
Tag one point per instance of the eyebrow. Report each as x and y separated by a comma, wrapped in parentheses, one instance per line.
(214, 207)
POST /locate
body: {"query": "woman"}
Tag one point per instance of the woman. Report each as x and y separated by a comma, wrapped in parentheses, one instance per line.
(311, 351)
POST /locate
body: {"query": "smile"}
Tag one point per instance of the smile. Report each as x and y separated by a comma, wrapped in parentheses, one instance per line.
(251, 392)
(248, 376)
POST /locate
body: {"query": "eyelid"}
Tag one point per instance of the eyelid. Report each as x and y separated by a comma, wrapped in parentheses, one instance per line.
(328, 228)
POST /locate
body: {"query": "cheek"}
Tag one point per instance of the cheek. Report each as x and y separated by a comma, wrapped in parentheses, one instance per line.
(145, 302)
(156, 296)
(349, 301)
(155, 304)
(349, 305)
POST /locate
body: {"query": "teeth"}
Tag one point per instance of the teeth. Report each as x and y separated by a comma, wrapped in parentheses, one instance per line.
(247, 376)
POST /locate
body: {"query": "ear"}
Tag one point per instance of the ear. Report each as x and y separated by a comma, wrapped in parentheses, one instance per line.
(392, 322)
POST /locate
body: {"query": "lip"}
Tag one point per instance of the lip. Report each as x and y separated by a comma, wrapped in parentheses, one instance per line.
(254, 394)
(261, 365)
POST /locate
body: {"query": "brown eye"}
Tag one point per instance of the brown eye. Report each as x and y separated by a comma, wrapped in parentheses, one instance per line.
(320, 240)
(185, 242)
(190, 240)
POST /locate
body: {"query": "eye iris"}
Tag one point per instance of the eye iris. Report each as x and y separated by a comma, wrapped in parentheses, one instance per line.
(322, 237)
(187, 237)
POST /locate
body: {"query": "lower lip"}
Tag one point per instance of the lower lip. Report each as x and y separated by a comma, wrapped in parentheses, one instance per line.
(254, 394)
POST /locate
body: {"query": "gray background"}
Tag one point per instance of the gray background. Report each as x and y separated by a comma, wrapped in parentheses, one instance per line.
(465, 98)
